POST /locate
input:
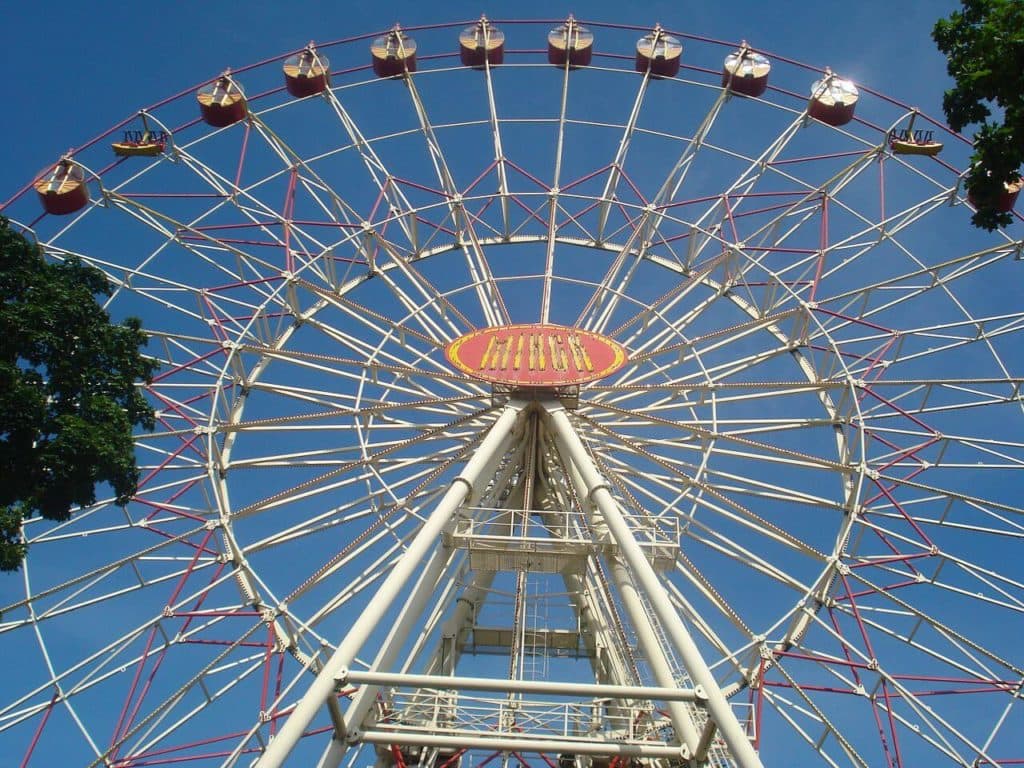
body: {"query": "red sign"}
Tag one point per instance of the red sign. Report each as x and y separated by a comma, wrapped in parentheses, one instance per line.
(536, 355)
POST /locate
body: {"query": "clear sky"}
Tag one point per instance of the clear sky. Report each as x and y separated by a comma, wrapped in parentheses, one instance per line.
(74, 69)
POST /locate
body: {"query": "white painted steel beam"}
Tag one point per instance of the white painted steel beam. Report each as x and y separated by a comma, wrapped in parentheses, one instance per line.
(491, 448)
(646, 635)
(572, 448)
(521, 744)
(586, 690)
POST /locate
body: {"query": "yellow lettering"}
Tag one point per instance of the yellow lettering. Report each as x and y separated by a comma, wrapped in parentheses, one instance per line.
(487, 353)
(558, 359)
(507, 350)
(498, 349)
(536, 352)
(579, 354)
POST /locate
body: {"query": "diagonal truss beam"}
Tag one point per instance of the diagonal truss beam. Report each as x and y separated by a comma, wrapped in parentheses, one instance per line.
(573, 449)
(476, 470)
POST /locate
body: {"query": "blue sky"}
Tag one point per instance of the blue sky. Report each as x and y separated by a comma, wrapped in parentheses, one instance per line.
(76, 68)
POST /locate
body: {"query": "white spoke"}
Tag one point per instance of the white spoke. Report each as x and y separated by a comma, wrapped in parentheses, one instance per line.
(759, 505)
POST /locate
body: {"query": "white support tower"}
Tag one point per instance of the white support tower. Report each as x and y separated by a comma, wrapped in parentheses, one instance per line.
(619, 398)
(530, 501)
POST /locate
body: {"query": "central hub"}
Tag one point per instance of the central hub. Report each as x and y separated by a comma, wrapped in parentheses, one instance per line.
(536, 355)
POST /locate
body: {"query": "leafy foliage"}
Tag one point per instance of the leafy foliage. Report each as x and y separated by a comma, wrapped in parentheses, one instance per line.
(68, 400)
(984, 44)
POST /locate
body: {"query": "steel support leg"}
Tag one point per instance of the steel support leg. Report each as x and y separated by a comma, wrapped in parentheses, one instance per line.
(377, 609)
(411, 612)
(572, 448)
(647, 637)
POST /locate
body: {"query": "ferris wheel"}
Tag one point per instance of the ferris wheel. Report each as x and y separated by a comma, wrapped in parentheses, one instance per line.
(537, 393)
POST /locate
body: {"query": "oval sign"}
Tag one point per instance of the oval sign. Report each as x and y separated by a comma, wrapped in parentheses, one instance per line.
(536, 355)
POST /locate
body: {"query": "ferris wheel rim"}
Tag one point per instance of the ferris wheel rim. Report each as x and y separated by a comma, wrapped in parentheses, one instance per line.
(433, 307)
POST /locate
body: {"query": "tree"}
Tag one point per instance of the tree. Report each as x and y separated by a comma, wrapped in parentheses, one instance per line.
(68, 395)
(984, 44)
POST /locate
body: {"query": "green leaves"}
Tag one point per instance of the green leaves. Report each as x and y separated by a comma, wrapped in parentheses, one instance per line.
(68, 394)
(984, 45)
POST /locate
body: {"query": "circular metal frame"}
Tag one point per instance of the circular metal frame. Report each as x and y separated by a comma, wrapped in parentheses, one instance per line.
(820, 414)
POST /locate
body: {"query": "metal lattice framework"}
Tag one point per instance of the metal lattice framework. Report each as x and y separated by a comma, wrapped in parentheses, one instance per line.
(788, 529)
